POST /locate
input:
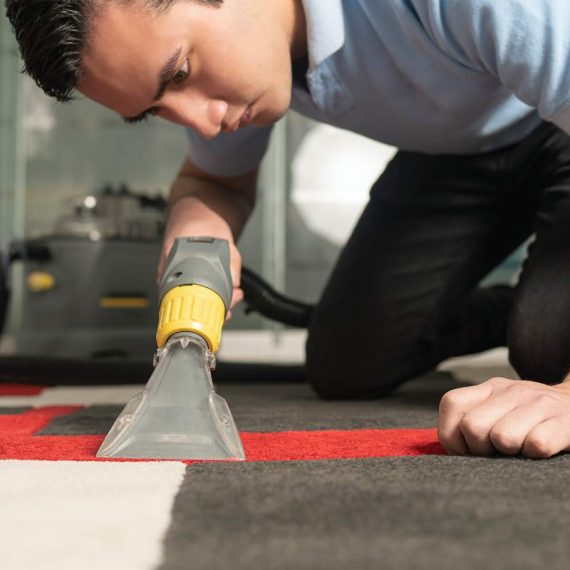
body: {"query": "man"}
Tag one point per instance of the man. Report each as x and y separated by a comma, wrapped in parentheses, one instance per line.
(475, 93)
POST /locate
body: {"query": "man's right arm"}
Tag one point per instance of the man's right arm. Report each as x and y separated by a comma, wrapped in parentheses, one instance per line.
(204, 205)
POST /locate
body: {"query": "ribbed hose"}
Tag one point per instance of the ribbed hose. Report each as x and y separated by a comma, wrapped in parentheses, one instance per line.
(271, 304)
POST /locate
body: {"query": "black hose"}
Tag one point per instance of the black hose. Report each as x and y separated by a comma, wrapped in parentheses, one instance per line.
(271, 304)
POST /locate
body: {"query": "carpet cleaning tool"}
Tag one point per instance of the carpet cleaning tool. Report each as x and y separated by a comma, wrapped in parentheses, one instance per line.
(179, 415)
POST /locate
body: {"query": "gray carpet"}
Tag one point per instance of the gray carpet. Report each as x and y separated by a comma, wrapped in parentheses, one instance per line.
(10, 411)
(421, 513)
(283, 407)
(424, 513)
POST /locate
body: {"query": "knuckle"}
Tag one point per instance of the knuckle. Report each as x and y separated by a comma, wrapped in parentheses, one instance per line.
(538, 447)
(516, 391)
(505, 441)
(545, 400)
(499, 381)
(515, 388)
(451, 400)
(471, 426)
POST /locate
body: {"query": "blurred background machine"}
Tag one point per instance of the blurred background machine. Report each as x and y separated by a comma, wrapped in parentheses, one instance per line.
(90, 285)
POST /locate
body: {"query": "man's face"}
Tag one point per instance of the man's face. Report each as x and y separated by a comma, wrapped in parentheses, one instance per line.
(212, 69)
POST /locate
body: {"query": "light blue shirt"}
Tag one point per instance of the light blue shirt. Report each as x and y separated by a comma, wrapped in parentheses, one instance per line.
(434, 76)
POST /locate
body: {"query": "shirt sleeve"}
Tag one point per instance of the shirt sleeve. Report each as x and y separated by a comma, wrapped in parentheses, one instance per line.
(229, 154)
(524, 43)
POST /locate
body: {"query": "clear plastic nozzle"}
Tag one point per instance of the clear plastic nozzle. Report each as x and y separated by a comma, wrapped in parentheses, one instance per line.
(178, 415)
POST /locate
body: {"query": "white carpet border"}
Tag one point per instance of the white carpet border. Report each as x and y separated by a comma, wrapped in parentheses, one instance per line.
(68, 515)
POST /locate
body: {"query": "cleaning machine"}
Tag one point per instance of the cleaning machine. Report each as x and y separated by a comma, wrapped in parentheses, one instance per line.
(89, 282)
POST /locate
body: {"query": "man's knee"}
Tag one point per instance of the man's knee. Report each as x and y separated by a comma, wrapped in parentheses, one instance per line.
(339, 368)
(539, 353)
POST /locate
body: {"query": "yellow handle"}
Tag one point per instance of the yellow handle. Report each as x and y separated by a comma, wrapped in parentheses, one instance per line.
(191, 308)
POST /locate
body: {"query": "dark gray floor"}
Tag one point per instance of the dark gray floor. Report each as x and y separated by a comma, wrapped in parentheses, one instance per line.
(424, 513)
(282, 407)
(410, 513)
(14, 410)
(296, 407)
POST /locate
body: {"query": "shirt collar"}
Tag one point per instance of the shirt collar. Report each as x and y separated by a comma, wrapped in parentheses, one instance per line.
(325, 29)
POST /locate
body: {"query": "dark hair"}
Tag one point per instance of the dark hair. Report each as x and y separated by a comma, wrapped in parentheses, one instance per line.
(51, 35)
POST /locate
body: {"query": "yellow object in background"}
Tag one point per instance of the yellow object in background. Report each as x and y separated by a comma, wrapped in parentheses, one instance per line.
(40, 282)
(124, 302)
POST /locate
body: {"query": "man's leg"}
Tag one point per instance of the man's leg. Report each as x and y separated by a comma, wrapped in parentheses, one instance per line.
(539, 326)
(403, 295)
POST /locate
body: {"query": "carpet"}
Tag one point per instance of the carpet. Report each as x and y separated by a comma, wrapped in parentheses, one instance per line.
(326, 485)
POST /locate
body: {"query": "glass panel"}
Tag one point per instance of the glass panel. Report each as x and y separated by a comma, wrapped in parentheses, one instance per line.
(77, 148)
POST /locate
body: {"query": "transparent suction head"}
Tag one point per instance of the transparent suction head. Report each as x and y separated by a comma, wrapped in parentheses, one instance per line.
(178, 415)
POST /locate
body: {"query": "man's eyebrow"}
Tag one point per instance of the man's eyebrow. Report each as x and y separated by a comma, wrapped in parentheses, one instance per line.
(164, 78)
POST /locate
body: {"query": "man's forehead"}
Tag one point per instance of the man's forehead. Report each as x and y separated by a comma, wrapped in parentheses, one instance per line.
(126, 48)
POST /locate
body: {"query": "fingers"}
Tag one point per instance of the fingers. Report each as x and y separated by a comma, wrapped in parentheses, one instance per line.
(235, 266)
(486, 428)
(548, 438)
(237, 297)
(505, 416)
(453, 407)
(509, 433)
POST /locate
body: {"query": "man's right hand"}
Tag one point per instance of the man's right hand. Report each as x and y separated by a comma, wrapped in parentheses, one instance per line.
(205, 205)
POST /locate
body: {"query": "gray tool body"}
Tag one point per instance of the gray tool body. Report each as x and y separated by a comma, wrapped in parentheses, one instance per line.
(199, 261)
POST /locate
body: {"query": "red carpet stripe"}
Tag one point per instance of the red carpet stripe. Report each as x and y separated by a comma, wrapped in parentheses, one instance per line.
(20, 390)
(17, 441)
(337, 444)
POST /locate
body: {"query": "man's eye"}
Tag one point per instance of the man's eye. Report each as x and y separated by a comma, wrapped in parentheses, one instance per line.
(182, 74)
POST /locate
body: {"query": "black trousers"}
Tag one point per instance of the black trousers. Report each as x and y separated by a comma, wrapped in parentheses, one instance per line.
(405, 294)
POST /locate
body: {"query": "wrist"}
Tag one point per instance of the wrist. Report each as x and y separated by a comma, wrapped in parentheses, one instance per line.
(189, 216)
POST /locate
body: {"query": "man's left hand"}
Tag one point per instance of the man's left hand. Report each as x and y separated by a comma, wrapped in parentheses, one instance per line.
(511, 417)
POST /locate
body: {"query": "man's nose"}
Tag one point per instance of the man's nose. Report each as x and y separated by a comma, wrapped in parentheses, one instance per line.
(204, 115)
